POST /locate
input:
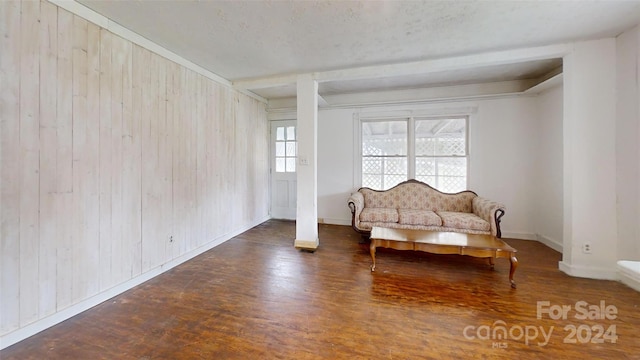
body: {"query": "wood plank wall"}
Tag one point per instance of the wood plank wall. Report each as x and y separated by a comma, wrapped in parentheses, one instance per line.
(108, 153)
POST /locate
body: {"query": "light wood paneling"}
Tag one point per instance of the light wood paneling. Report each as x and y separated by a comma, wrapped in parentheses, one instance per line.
(131, 169)
(11, 166)
(29, 161)
(48, 161)
(92, 165)
(79, 149)
(64, 157)
(106, 162)
(114, 161)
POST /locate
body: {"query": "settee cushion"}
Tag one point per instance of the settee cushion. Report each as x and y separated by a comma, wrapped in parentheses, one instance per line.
(379, 215)
(418, 217)
(459, 220)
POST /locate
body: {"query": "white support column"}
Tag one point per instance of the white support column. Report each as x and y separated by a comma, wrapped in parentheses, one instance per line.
(307, 169)
(589, 133)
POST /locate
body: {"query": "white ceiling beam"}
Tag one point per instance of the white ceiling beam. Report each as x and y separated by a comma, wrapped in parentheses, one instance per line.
(454, 92)
(417, 67)
(447, 64)
(429, 94)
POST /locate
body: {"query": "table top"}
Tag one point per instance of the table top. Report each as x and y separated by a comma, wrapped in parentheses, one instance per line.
(441, 238)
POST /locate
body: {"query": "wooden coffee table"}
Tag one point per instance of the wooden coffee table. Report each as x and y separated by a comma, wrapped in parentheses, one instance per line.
(485, 246)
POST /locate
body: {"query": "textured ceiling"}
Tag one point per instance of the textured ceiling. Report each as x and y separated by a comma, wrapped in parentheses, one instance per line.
(242, 40)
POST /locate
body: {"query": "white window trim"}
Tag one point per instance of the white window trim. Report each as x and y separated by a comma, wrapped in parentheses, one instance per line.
(469, 113)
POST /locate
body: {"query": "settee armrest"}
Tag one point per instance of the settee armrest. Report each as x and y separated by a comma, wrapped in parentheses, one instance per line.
(490, 211)
(356, 204)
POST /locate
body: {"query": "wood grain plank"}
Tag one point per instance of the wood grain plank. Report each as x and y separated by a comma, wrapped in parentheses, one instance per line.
(64, 161)
(185, 131)
(106, 165)
(80, 163)
(164, 167)
(30, 157)
(208, 230)
(48, 166)
(192, 142)
(241, 152)
(219, 161)
(214, 157)
(131, 176)
(150, 163)
(258, 286)
(10, 169)
(117, 209)
(201, 161)
(179, 199)
(139, 107)
(92, 157)
(228, 186)
(169, 163)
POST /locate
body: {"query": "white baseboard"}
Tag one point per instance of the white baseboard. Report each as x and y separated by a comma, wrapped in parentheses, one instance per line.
(555, 245)
(62, 315)
(519, 235)
(330, 221)
(629, 272)
(590, 272)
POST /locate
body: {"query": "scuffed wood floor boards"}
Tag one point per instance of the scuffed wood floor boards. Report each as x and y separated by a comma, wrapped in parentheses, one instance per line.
(257, 297)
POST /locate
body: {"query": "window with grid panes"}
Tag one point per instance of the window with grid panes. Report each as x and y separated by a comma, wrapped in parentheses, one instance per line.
(286, 148)
(384, 153)
(432, 150)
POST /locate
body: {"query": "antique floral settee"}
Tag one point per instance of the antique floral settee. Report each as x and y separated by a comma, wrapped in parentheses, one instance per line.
(415, 205)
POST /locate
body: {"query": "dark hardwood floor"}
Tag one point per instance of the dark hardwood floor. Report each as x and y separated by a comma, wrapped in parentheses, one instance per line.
(256, 297)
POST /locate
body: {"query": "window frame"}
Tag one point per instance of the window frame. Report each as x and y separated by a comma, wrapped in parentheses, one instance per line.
(410, 120)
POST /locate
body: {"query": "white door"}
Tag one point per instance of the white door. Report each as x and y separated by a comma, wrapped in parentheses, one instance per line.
(284, 151)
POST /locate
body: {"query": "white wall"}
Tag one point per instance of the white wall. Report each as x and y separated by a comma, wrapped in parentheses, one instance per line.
(589, 157)
(549, 199)
(502, 146)
(116, 165)
(335, 165)
(628, 144)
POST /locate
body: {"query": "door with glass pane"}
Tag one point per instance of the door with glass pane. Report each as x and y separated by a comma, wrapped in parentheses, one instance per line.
(284, 151)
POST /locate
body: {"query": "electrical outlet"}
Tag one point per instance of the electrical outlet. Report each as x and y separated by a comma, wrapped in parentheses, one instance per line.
(586, 248)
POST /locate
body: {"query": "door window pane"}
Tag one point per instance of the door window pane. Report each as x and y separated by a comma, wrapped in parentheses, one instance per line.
(291, 148)
(280, 133)
(291, 133)
(285, 149)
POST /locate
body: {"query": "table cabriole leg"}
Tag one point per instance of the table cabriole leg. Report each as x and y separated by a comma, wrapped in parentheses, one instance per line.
(372, 250)
(512, 270)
